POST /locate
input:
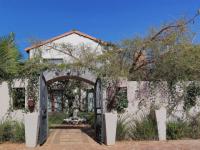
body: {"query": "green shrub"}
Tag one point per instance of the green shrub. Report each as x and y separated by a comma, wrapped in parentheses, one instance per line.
(177, 130)
(7, 131)
(121, 100)
(194, 128)
(90, 117)
(182, 129)
(83, 114)
(19, 132)
(12, 131)
(145, 128)
(192, 91)
(123, 125)
(56, 118)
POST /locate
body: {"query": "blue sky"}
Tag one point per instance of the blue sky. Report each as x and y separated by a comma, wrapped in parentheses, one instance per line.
(109, 20)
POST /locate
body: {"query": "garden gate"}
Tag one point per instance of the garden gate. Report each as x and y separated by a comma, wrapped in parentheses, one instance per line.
(43, 116)
(48, 77)
(98, 109)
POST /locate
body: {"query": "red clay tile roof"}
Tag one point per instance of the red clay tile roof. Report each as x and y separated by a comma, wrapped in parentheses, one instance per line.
(63, 35)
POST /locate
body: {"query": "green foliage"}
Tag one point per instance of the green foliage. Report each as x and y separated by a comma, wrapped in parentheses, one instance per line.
(56, 118)
(166, 54)
(121, 101)
(144, 129)
(33, 90)
(69, 87)
(141, 129)
(184, 129)
(177, 64)
(12, 131)
(192, 91)
(123, 127)
(19, 132)
(177, 130)
(18, 97)
(9, 57)
(6, 131)
(194, 128)
(90, 117)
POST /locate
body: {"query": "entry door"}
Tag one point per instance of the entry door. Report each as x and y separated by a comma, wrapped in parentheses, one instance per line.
(43, 117)
(98, 111)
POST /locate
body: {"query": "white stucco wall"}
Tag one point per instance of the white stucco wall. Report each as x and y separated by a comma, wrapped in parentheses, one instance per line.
(132, 102)
(137, 94)
(6, 100)
(139, 99)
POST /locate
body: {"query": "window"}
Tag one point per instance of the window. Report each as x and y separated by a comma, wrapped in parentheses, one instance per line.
(18, 96)
(54, 61)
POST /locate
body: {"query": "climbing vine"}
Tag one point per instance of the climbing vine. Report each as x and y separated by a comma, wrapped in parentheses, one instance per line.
(192, 92)
(121, 100)
(32, 92)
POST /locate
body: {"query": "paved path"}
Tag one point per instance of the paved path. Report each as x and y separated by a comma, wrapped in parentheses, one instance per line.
(72, 139)
(76, 139)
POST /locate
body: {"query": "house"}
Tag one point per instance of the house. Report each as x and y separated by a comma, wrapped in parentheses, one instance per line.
(65, 49)
(50, 51)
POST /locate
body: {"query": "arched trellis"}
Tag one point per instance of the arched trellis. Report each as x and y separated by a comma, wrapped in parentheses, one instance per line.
(60, 78)
(49, 77)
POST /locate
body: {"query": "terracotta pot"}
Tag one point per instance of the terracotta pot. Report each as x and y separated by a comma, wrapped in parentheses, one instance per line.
(31, 105)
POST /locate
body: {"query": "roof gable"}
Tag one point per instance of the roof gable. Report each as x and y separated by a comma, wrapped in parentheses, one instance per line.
(64, 35)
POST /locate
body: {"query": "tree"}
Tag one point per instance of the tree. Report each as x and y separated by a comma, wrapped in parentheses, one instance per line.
(9, 57)
(163, 53)
(166, 54)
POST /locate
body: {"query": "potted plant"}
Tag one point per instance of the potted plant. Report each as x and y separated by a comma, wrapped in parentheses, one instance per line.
(117, 102)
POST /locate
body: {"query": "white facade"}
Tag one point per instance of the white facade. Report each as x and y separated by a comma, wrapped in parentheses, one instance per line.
(78, 42)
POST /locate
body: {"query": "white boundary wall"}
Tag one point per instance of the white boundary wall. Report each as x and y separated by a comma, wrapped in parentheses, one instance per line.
(6, 100)
(137, 94)
(140, 99)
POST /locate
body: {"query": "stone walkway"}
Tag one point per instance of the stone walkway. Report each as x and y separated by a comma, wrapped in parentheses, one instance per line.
(79, 139)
